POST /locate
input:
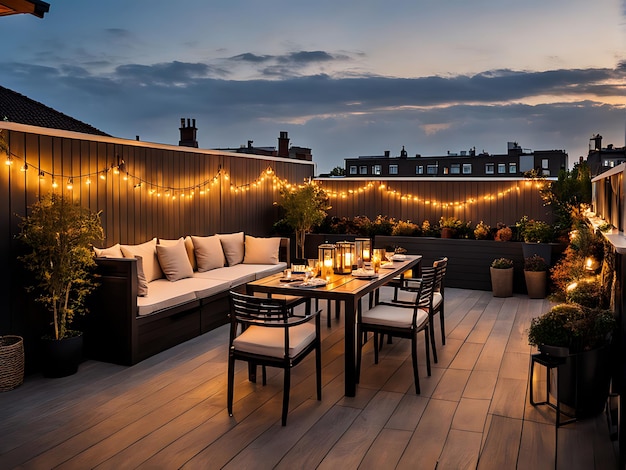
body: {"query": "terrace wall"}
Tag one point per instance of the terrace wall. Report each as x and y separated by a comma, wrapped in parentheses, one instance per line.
(159, 191)
(493, 200)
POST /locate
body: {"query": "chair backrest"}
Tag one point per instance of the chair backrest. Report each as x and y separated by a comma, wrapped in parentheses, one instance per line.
(250, 310)
(422, 287)
(440, 265)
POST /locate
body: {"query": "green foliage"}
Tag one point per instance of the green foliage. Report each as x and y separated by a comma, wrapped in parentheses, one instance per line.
(573, 326)
(338, 171)
(502, 263)
(59, 234)
(481, 231)
(535, 231)
(568, 194)
(407, 228)
(535, 263)
(305, 206)
(450, 222)
(585, 292)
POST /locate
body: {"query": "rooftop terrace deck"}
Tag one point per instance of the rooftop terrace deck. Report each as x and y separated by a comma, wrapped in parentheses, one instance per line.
(169, 411)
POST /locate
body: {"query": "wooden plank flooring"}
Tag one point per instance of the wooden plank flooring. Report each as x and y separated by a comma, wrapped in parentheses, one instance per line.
(169, 411)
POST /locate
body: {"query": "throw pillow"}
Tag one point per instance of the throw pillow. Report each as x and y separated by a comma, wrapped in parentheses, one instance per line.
(261, 250)
(142, 284)
(174, 261)
(110, 252)
(188, 247)
(147, 251)
(209, 253)
(233, 246)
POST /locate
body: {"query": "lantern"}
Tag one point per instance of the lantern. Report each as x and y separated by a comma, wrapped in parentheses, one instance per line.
(326, 255)
(377, 258)
(344, 257)
(363, 251)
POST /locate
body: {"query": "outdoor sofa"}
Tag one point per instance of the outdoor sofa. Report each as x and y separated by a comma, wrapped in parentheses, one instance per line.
(161, 293)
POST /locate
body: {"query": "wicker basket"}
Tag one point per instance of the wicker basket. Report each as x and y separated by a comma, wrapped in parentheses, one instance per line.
(11, 362)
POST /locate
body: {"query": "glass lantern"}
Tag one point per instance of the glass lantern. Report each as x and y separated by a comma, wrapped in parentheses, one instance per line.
(344, 257)
(363, 251)
(326, 256)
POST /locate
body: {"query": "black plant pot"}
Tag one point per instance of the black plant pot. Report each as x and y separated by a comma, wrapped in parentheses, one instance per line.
(61, 358)
(584, 381)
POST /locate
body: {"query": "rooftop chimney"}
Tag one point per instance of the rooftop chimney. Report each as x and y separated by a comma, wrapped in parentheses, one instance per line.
(188, 133)
(283, 144)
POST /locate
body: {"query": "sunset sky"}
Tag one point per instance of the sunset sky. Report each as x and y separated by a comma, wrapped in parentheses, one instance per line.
(345, 78)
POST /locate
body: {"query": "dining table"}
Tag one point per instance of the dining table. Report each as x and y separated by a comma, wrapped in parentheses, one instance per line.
(347, 288)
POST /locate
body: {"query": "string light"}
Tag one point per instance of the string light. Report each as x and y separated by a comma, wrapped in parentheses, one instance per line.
(70, 184)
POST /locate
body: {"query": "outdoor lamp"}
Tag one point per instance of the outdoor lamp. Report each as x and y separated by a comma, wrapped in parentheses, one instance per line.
(326, 256)
(344, 257)
(591, 264)
(363, 251)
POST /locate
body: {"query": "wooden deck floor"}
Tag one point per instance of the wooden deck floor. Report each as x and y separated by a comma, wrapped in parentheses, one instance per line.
(170, 410)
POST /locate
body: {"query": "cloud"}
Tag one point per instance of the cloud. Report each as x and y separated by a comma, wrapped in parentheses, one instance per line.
(336, 117)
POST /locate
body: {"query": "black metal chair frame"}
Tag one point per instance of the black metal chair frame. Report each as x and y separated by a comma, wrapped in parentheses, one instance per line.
(422, 288)
(248, 311)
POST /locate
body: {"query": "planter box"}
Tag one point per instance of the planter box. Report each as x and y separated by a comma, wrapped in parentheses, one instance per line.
(468, 260)
(501, 282)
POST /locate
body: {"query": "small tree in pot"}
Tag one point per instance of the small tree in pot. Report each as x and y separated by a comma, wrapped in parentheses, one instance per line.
(59, 234)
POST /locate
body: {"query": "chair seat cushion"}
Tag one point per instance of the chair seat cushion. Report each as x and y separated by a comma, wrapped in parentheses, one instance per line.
(397, 317)
(271, 341)
(437, 299)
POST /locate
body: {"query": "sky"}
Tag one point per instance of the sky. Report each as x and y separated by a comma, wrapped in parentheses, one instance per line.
(345, 78)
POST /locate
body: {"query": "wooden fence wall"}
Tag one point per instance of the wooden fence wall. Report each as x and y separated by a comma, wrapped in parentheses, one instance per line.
(143, 190)
(490, 200)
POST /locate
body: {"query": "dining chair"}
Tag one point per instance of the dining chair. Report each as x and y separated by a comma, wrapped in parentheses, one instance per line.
(266, 332)
(403, 320)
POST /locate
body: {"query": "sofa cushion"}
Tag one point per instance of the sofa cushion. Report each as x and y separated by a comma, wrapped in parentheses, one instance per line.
(110, 252)
(142, 284)
(233, 246)
(164, 294)
(261, 250)
(242, 273)
(190, 253)
(209, 253)
(147, 251)
(271, 341)
(174, 261)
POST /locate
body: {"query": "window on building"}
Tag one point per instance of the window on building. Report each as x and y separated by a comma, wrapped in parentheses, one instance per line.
(393, 169)
(353, 170)
(363, 170)
(513, 167)
(489, 168)
(455, 169)
(544, 164)
(376, 169)
(467, 168)
(419, 170)
(432, 169)
(501, 167)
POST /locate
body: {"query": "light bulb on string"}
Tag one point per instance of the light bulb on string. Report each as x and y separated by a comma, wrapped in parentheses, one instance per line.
(24, 167)
(70, 184)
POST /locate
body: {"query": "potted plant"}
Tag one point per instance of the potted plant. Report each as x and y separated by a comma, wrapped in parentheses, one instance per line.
(536, 276)
(581, 336)
(449, 226)
(501, 271)
(305, 206)
(59, 234)
(481, 231)
(503, 233)
(537, 236)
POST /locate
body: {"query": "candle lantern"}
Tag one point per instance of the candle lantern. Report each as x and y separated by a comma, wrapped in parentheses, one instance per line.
(344, 257)
(326, 256)
(377, 258)
(363, 251)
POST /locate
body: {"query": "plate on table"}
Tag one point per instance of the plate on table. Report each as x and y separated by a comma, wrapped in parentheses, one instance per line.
(398, 257)
(313, 282)
(364, 274)
(389, 265)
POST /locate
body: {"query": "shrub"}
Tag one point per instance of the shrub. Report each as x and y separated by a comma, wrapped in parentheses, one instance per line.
(536, 231)
(502, 263)
(481, 232)
(585, 292)
(504, 233)
(535, 263)
(407, 228)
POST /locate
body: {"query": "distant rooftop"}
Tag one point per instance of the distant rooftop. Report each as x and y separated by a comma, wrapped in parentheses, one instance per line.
(18, 108)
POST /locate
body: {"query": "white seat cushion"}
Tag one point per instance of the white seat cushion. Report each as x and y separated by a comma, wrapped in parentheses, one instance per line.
(271, 341)
(437, 299)
(164, 294)
(398, 317)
